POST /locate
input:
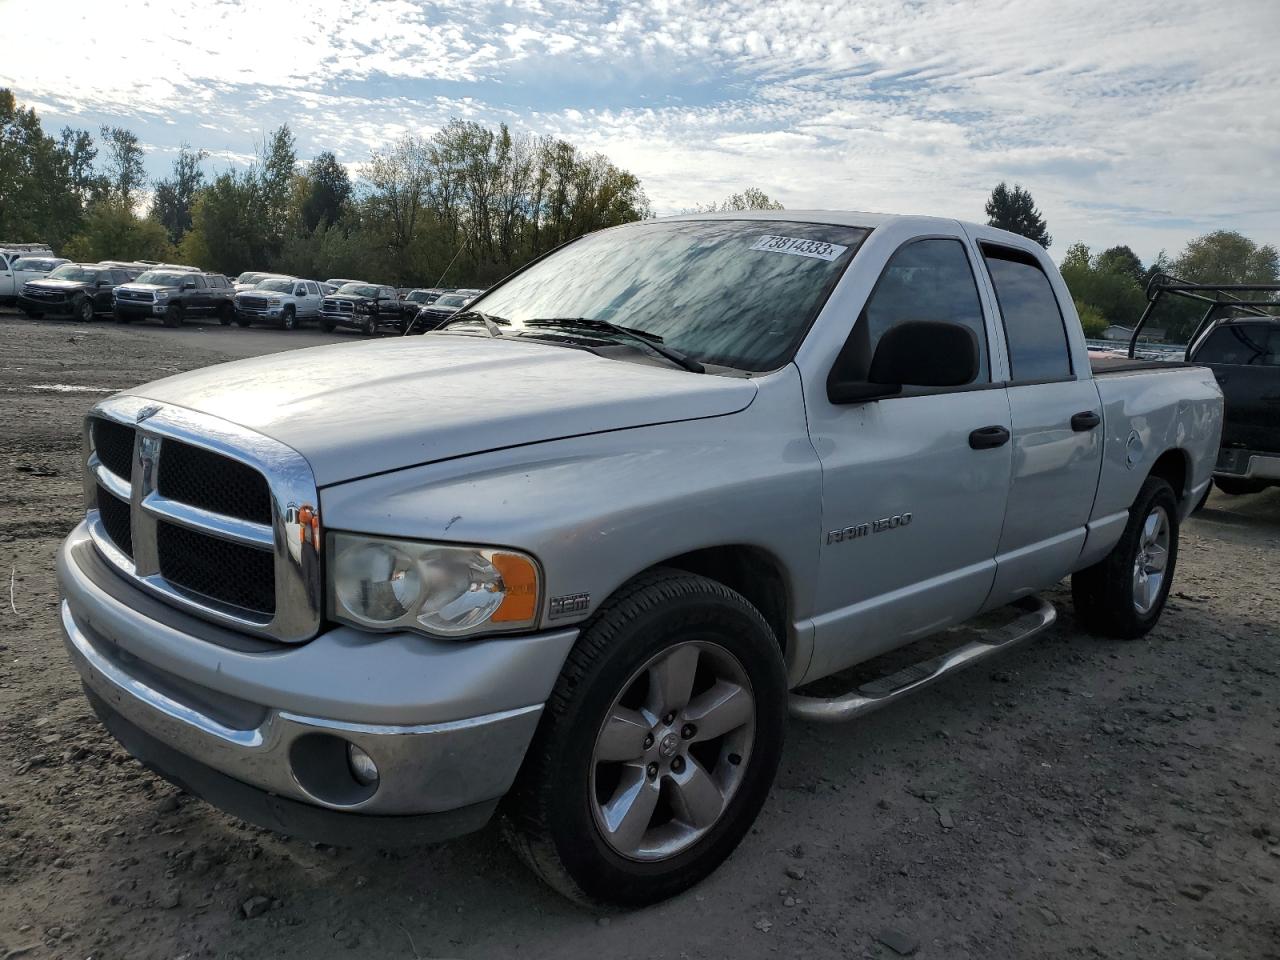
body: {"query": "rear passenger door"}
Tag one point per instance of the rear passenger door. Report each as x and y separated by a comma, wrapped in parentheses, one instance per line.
(1055, 414)
(310, 305)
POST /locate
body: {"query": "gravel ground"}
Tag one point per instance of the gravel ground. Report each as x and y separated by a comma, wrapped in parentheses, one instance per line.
(1081, 798)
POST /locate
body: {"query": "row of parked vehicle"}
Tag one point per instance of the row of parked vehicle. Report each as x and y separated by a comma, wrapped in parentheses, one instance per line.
(44, 285)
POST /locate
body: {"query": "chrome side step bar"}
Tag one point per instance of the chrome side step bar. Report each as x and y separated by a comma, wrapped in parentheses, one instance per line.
(1038, 616)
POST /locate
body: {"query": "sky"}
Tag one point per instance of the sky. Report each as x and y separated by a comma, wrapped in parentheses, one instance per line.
(1145, 122)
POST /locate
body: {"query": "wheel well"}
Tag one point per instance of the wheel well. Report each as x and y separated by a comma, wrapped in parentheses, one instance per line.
(1172, 467)
(752, 572)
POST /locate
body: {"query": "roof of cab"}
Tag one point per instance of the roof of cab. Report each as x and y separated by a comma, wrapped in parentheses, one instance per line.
(845, 218)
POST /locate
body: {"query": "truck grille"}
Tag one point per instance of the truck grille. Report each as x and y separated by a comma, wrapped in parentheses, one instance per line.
(213, 482)
(142, 296)
(227, 533)
(49, 296)
(252, 303)
(337, 306)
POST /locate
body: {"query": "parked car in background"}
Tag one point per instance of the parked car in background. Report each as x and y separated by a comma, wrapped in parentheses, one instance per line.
(421, 296)
(281, 301)
(250, 279)
(365, 306)
(433, 314)
(581, 556)
(337, 282)
(134, 268)
(21, 268)
(173, 296)
(79, 290)
(1244, 355)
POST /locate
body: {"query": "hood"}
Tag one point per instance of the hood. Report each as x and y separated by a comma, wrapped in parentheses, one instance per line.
(147, 287)
(358, 409)
(47, 284)
(355, 297)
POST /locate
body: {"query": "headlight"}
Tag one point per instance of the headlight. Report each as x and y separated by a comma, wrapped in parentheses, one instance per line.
(442, 589)
(274, 301)
(162, 294)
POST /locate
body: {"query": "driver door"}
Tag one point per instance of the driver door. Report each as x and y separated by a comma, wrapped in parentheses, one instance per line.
(913, 486)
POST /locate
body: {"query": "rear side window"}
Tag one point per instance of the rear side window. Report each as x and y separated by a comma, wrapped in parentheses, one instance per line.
(924, 280)
(200, 284)
(1242, 344)
(312, 288)
(1033, 324)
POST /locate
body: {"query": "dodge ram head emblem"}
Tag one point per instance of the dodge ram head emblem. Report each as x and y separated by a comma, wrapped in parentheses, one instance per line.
(150, 410)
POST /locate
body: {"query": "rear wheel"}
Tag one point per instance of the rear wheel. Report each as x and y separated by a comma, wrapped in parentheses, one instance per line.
(657, 747)
(84, 311)
(173, 315)
(1238, 487)
(1124, 594)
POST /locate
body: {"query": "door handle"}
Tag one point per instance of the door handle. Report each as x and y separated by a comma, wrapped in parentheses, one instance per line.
(988, 438)
(1086, 420)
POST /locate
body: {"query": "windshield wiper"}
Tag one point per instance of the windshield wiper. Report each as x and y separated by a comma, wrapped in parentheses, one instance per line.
(643, 337)
(490, 323)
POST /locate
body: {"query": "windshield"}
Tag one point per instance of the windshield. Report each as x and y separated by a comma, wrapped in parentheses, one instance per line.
(417, 296)
(278, 286)
(359, 290)
(163, 279)
(736, 293)
(451, 300)
(72, 271)
(249, 277)
(27, 263)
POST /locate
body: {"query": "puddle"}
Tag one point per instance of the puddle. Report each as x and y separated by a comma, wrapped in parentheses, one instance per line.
(61, 388)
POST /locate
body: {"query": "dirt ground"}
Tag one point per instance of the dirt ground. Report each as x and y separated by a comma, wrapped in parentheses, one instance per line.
(1082, 798)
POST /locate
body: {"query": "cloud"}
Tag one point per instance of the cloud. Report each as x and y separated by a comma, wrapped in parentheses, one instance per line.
(1133, 122)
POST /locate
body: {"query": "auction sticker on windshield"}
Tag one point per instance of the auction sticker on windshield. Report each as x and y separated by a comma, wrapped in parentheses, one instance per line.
(797, 247)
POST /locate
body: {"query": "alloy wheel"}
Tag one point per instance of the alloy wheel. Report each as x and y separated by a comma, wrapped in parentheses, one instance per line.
(1151, 561)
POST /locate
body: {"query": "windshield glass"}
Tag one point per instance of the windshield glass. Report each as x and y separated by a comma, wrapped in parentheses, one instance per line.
(737, 293)
(73, 271)
(249, 277)
(417, 296)
(359, 290)
(278, 286)
(161, 279)
(451, 300)
(27, 263)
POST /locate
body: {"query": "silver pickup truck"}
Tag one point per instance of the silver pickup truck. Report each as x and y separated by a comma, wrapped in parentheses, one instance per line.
(575, 557)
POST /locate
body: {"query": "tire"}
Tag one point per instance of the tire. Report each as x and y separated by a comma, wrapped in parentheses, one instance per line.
(173, 315)
(226, 313)
(243, 321)
(120, 317)
(328, 326)
(1234, 487)
(1112, 599)
(289, 319)
(33, 314)
(369, 326)
(555, 815)
(84, 311)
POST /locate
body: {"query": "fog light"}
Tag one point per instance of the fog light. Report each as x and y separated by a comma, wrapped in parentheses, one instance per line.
(362, 766)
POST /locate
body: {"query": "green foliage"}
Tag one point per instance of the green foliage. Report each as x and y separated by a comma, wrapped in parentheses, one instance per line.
(125, 175)
(1091, 319)
(39, 196)
(171, 202)
(752, 198)
(1225, 256)
(112, 231)
(229, 230)
(1015, 211)
(1123, 261)
(326, 192)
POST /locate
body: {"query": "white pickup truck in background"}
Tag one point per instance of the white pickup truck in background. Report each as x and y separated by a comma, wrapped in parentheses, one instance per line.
(577, 554)
(17, 266)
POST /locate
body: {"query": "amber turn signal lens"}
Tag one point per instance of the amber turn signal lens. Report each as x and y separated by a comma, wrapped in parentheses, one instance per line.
(520, 578)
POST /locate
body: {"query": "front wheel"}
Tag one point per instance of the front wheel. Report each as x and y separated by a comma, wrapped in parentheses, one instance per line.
(226, 313)
(657, 746)
(173, 315)
(84, 311)
(1124, 594)
(328, 326)
(369, 326)
(289, 319)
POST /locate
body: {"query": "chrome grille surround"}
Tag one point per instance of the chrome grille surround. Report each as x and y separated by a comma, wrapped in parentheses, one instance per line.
(298, 585)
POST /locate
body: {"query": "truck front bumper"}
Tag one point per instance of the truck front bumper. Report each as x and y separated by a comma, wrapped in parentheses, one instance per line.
(139, 309)
(267, 731)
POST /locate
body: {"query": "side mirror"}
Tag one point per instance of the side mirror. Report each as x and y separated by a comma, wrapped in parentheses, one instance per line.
(918, 353)
(188, 284)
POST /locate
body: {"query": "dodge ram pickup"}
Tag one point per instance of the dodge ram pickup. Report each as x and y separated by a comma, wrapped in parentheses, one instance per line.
(575, 557)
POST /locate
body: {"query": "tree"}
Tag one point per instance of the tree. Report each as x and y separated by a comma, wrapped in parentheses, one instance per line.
(1015, 211)
(112, 231)
(77, 146)
(125, 175)
(1078, 257)
(1122, 260)
(171, 203)
(326, 192)
(752, 198)
(277, 169)
(1225, 256)
(229, 230)
(1091, 319)
(38, 197)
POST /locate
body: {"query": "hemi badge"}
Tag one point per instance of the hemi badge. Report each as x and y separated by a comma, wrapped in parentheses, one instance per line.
(567, 606)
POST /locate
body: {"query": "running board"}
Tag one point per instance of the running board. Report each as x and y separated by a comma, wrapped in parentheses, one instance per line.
(1038, 616)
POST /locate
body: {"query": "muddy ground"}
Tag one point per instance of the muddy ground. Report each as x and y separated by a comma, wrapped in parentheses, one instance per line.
(1083, 798)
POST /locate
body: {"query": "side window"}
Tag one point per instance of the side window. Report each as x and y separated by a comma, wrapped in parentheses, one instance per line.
(200, 284)
(924, 280)
(312, 288)
(1242, 344)
(118, 277)
(387, 293)
(1033, 324)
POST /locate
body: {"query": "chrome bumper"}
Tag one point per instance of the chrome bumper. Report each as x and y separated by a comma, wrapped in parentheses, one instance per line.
(423, 767)
(1247, 465)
